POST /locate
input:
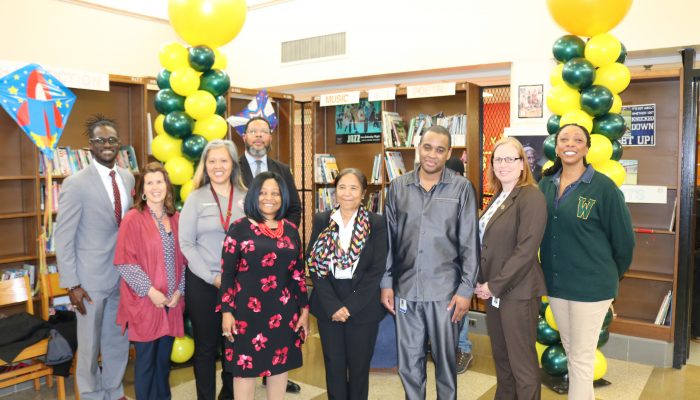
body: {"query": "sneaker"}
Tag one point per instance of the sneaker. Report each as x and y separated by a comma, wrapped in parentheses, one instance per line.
(464, 361)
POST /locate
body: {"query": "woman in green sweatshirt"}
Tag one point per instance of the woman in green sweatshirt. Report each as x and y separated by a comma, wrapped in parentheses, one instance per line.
(587, 247)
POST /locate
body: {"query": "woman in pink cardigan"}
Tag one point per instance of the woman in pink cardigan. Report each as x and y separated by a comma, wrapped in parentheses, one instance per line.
(152, 288)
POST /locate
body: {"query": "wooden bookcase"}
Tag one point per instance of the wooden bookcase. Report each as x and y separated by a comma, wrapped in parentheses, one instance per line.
(361, 156)
(654, 266)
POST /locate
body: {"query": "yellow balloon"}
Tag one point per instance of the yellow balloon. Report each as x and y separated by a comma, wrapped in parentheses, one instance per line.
(600, 365)
(212, 127)
(158, 124)
(613, 170)
(200, 104)
(615, 77)
(549, 317)
(600, 151)
(588, 17)
(562, 99)
(183, 349)
(186, 189)
(220, 61)
(184, 81)
(210, 22)
(165, 147)
(545, 299)
(578, 117)
(547, 165)
(540, 350)
(617, 104)
(603, 49)
(173, 56)
(555, 76)
(180, 170)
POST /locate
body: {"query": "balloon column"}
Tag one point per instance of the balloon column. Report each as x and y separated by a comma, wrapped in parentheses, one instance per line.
(193, 84)
(550, 351)
(588, 80)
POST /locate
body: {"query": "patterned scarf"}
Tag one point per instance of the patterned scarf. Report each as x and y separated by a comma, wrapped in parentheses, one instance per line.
(328, 247)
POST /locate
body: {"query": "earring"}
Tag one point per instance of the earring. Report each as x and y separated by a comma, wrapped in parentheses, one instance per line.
(143, 196)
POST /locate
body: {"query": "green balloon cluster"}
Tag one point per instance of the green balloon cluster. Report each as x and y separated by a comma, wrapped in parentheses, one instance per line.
(567, 47)
(554, 361)
(578, 73)
(617, 151)
(221, 105)
(550, 147)
(193, 146)
(596, 100)
(612, 126)
(546, 334)
(201, 58)
(215, 82)
(553, 124)
(163, 79)
(167, 101)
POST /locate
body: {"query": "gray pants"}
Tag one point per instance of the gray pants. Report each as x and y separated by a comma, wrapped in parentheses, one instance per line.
(98, 333)
(423, 321)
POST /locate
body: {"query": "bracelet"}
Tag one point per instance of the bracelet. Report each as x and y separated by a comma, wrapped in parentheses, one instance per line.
(70, 289)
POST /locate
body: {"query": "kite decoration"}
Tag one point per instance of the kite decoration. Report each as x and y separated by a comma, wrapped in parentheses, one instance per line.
(39, 103)
(260, 106)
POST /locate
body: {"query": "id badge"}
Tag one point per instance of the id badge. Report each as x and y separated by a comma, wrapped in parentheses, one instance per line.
(403, 307)
(495, 301)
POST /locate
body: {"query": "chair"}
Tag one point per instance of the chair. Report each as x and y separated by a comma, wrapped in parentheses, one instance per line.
(51, 288)
(16, 291)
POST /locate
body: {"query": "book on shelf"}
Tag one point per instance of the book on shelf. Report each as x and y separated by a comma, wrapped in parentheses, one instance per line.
(326, 199)
(393, 129)
(375, 202)
(55, 194)
(25, 270)
(325, 168)
(395, 166)
(664, 309)
(376, 177)
(66, 162)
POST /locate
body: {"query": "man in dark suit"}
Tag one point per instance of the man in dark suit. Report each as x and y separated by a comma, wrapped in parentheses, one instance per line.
(258, 138)
(91, 205)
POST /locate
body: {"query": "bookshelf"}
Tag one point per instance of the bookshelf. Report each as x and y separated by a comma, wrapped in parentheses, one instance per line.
(21, 192)
(654, 266)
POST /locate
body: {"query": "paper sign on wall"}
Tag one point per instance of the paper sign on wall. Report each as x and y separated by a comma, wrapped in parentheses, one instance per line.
(434, 90)
(381, 94)
(335, 99)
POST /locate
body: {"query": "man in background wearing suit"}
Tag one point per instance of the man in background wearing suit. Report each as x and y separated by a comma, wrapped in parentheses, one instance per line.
(258, 138)
(91, 206)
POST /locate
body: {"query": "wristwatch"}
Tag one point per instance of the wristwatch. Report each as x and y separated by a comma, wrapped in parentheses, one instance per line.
(72, 288)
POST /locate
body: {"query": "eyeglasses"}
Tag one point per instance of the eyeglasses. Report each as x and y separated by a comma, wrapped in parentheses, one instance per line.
(254, 131)
(507, 160)
(101, 140)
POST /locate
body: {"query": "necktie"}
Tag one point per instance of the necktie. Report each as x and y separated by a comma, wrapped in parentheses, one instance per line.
(258, 167)
(117, 198)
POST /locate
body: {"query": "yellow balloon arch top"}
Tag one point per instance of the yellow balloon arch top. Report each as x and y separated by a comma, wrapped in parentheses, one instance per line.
(207, 22)
(588, 17)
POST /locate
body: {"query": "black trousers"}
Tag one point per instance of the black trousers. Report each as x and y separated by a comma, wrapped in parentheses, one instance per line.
(347, 352)
(152, 369)
(201, 300)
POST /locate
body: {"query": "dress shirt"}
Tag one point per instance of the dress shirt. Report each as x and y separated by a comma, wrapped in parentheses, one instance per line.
(433, 238)
(344, 236)
(484, 220)
(107, 182)
(251, 162)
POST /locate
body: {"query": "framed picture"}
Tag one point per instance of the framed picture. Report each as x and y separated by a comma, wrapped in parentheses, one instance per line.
(530, 101)
(534, 152)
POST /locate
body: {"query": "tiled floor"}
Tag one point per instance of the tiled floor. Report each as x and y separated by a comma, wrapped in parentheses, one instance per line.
(629, 380)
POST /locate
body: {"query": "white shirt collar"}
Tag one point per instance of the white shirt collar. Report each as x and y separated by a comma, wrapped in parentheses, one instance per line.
(338, 218)
(251, 159)
(104, 171)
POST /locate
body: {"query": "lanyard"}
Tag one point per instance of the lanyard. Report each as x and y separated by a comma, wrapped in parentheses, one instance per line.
(224, 224)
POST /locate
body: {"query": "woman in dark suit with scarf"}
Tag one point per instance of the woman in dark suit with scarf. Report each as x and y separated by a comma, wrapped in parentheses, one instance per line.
(510, 277)
(346, 259)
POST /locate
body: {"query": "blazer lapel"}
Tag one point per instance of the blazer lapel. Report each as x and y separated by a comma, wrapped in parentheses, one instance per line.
(502, 208)
(245, 170)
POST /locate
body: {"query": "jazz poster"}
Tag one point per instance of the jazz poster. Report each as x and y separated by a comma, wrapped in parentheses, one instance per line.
(358, 123)
(640, 125)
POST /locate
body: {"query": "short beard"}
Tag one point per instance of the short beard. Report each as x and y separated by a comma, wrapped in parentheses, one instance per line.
(257, 153)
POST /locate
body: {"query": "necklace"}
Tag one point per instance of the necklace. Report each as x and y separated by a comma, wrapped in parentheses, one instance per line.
(159, 218)
(272, 233)
(224, 223)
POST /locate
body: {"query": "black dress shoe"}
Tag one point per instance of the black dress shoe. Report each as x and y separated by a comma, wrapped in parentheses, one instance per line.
(222, 396)
(291, 386)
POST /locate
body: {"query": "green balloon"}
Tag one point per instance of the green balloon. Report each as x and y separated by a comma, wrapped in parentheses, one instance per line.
(553, 124)
(545, 333)
(617, 151)
(178, 124)
(608, 318)
(215, 81)
(193, 146)
(567, 47)
(187, 321)
(163, 79)
(596, 100)
(610, 125)
(176, 194)
(554, 360)
(167, 101)
(201, 58)
(550, 147)
(578, 73)
(603, 337)
(623, 54)
(221, 105)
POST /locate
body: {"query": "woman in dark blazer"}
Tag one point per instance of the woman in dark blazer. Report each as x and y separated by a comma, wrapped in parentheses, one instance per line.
(346, 259)
(510, 278)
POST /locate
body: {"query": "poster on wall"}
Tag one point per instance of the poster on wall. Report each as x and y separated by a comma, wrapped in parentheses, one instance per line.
(358, 123)
(534, 151)
(640, 125)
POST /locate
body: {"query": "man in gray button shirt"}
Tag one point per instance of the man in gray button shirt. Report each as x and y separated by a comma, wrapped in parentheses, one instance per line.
(433, 259)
